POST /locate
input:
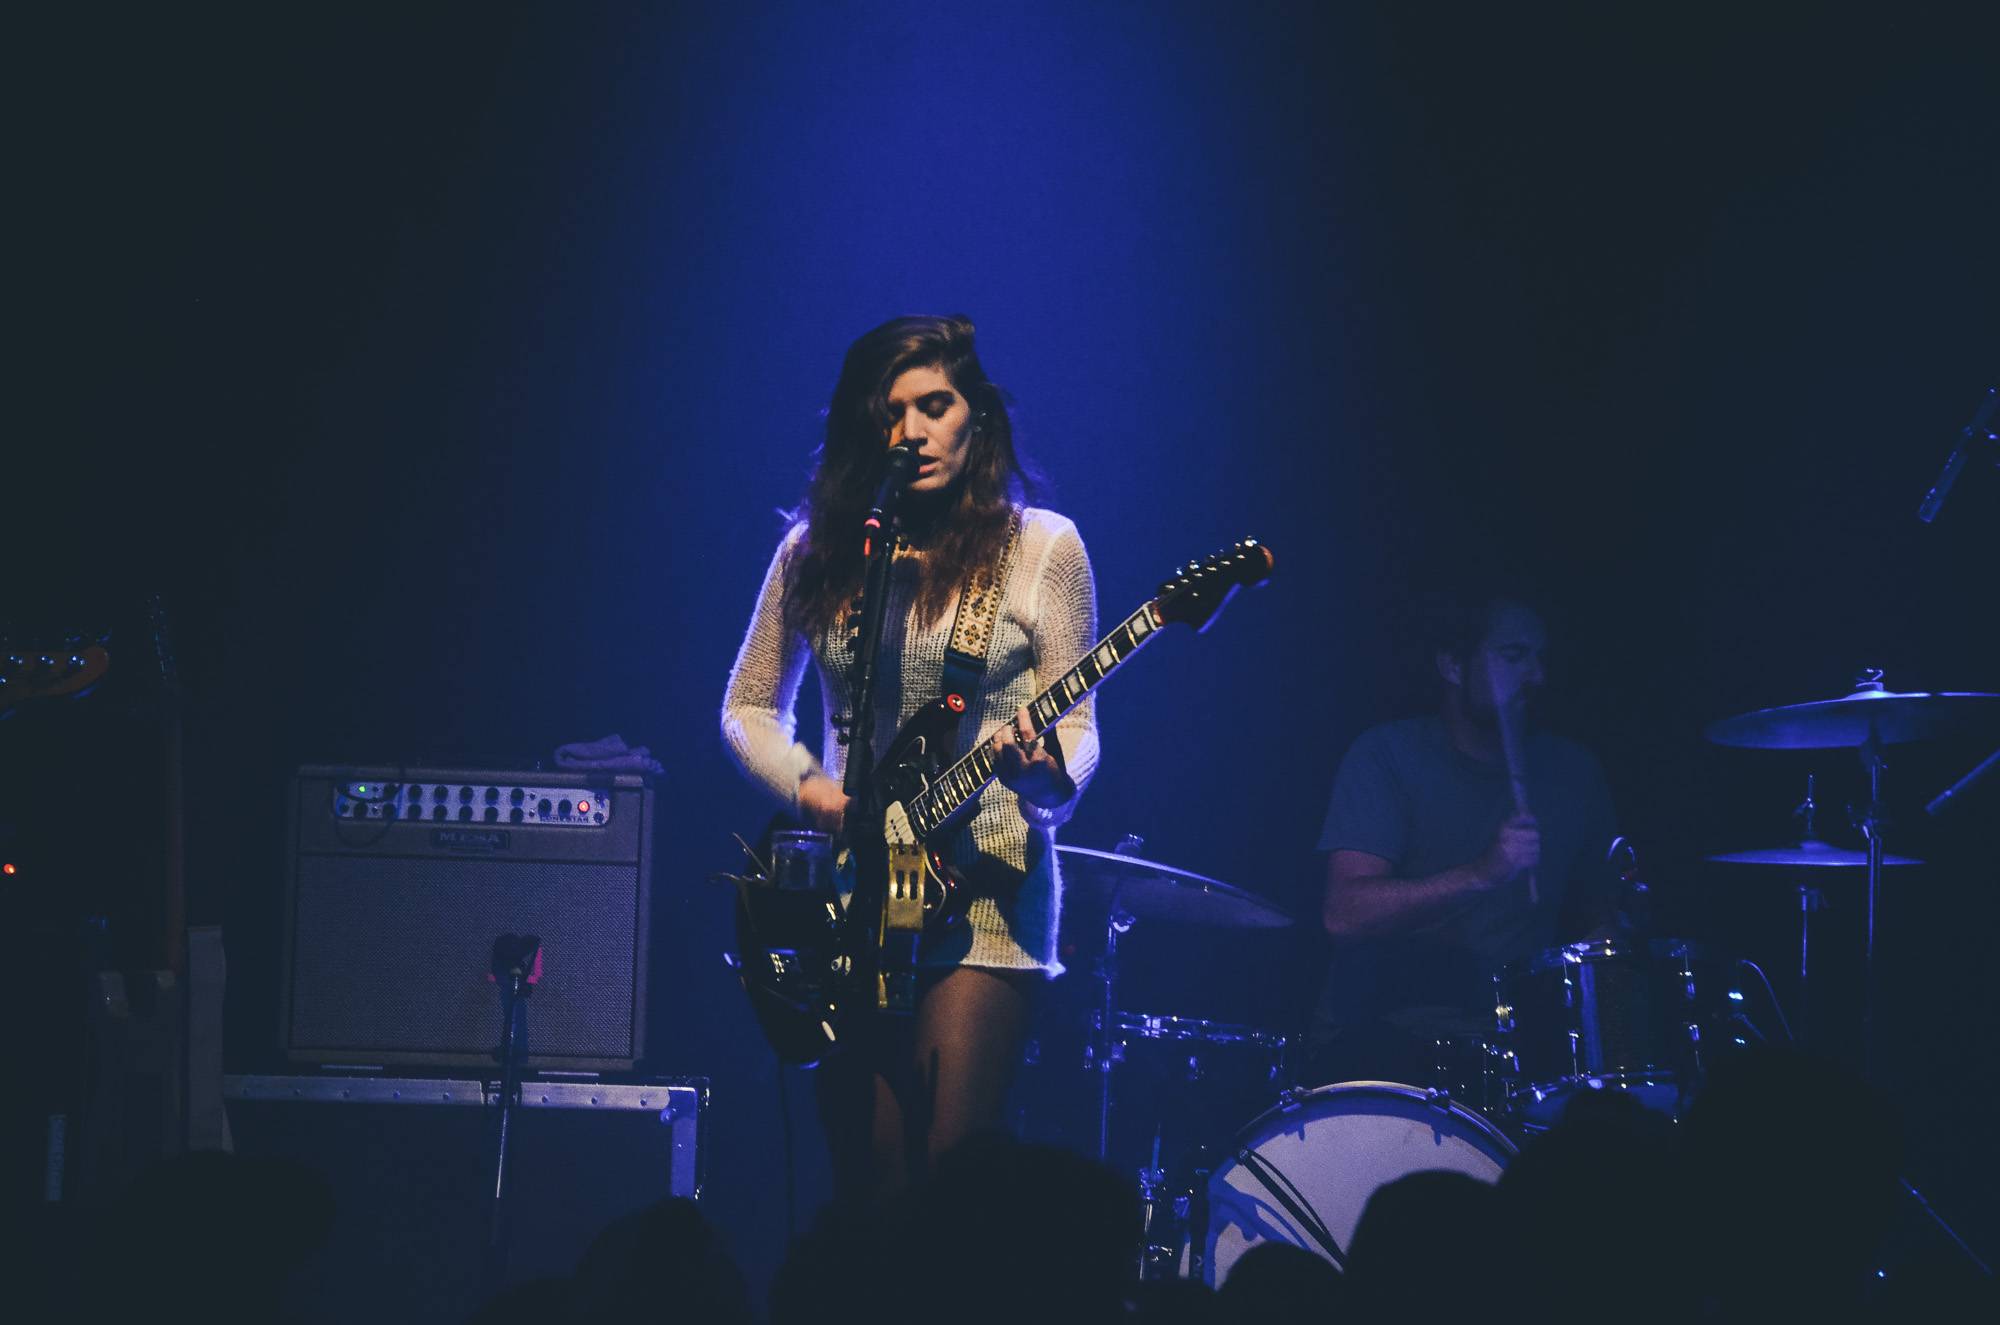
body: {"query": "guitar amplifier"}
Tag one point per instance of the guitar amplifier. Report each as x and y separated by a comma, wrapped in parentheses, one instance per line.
(399, 880)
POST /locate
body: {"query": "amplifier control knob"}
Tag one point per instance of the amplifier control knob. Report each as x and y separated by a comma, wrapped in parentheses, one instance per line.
(465, 814)
(437, 811)
(562, 809)
(493, 795)
(465, 793)
(516, 796)
(515, 815)
(542, 805)
(493, 814)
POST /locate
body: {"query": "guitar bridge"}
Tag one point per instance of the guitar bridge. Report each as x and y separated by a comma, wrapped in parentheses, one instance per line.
(902, 929)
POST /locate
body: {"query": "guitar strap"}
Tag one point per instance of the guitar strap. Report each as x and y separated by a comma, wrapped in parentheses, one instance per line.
(978, 613)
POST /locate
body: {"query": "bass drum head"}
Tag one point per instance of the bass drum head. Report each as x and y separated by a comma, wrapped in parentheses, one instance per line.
(1302, 1172)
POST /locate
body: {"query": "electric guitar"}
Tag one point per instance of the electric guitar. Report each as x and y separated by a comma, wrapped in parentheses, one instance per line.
(811, 962)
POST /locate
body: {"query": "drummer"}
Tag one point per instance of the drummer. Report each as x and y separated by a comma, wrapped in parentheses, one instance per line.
(1429, 871)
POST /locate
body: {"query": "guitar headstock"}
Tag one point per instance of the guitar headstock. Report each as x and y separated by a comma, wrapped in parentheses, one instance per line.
(163, 648)
(1198, 592)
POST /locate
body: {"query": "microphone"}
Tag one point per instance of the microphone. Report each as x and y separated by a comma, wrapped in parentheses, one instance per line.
(901, 468)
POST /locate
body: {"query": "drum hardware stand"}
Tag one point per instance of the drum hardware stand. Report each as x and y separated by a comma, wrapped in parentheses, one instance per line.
(1972, 435)
(1942, 801)
(1164, 1214)
(1117, 922)
(1965, 1250)
(1811, 899)
(1871, 828)
(1196, 1215)
(1164, 1220)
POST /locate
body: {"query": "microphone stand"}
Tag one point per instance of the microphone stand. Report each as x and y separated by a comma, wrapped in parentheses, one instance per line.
(514, 969)
(857, 730)
(1943, 800)
(866, 641)
(1968, 437)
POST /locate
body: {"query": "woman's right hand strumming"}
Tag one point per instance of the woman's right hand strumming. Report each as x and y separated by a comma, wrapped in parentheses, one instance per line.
(822, 803)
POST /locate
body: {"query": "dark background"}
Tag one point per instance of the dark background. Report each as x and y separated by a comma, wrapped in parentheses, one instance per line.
(446, 370)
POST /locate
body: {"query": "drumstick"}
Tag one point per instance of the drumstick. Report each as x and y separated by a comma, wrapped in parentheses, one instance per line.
(1508, 708)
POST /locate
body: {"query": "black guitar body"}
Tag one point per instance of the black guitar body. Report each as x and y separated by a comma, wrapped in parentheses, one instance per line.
(808, 961)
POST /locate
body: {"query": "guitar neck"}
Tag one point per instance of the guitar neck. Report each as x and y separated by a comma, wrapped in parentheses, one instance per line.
(964, 780)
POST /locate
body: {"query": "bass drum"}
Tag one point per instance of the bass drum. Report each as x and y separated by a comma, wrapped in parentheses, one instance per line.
(1302, 1172)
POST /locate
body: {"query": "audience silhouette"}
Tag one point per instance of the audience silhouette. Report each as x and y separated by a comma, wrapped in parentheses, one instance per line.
(1792, 1174)
(1424, 1248)
(1771, 1200)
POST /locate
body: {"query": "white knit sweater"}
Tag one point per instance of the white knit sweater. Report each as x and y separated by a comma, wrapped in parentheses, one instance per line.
(1047, 621)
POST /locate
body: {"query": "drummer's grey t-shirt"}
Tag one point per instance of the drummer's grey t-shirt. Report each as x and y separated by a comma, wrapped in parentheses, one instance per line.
(1406, 793)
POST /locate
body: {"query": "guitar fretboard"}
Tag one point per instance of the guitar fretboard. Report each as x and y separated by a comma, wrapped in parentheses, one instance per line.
(966, 778)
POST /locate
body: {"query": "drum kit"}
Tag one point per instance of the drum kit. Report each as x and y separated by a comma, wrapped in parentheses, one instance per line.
(1640, 1016)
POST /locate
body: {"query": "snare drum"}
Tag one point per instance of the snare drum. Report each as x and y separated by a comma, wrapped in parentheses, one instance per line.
(1606, 1015)
(1303, 1171)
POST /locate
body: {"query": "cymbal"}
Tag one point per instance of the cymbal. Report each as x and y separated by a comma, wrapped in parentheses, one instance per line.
(1153, 891)
(1827, 724)
(1810, 854)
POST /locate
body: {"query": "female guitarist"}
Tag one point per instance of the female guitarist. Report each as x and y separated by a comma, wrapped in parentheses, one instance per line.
(909, 1087)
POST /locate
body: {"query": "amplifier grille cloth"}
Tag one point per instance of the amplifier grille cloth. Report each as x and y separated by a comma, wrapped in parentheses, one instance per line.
(392, 954)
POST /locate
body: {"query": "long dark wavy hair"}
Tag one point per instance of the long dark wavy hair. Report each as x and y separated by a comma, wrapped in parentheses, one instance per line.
(968, 525)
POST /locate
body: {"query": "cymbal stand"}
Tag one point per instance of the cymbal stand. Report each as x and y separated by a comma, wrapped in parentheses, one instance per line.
(1117, 922)
(1163, 1219)
(1871, 828)
(1105, 1043)
(1944, 799)
(1810, 900)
